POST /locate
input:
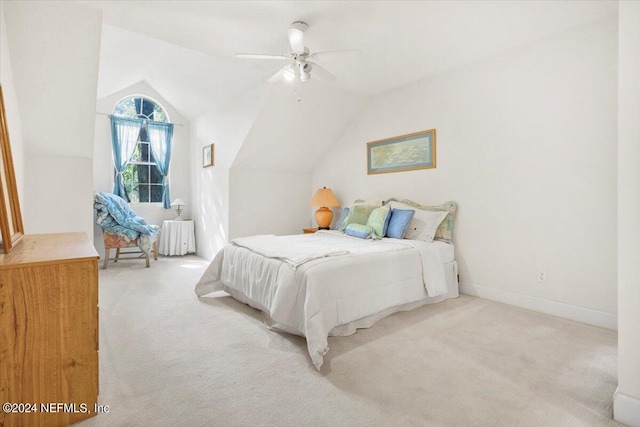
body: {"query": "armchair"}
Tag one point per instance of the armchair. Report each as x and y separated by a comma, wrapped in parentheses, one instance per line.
(122, 228)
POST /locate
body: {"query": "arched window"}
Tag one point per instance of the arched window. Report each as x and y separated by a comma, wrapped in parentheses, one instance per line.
(142, 179)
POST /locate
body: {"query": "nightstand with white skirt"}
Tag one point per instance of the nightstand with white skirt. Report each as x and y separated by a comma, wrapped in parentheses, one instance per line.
(177, 238)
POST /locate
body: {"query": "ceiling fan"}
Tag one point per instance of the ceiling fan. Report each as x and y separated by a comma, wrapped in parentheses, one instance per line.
(303, 63)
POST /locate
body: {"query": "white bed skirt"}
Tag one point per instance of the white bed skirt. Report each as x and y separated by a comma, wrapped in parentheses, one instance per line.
(451, 277)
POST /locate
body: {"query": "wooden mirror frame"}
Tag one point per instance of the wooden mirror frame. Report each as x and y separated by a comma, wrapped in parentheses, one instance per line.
(11, 227)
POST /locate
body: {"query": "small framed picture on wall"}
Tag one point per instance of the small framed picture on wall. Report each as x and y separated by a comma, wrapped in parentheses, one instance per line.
(208, 155)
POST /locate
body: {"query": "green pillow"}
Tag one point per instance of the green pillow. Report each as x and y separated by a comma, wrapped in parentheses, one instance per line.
(358, 214)
(379, 220)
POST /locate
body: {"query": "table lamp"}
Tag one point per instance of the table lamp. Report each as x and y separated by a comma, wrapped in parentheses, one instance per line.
(178, 203)
(324, 198)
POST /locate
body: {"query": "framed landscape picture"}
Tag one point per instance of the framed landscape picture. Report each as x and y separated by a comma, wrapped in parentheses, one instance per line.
(402, 153)
(208, 155)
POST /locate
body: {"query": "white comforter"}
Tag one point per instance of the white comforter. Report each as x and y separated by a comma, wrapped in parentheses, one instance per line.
(344, 280)
(295, 250)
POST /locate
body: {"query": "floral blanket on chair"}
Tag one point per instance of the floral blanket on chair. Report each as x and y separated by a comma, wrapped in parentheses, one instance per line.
(114, 216)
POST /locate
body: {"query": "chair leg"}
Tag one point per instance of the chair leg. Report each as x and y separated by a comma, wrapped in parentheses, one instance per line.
(148, 263)
(117, 255)
(107, 253)
(155, 250)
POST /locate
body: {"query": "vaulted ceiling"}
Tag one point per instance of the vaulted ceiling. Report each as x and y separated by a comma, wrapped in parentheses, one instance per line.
(193, 82)
(185, 51)
(401, 41)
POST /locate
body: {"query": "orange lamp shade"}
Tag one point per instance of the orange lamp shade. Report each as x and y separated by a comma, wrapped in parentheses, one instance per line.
(324, 198)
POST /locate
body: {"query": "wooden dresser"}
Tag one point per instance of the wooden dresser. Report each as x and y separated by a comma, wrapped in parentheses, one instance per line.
(49, 330)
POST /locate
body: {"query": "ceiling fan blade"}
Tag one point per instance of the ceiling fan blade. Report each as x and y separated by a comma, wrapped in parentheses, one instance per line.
(280, 75)
(331, 54)
(322, 74)
(260, 56)
(296, 36)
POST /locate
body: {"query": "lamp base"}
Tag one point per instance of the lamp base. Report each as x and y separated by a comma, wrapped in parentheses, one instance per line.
(179, 212)
(323, 218)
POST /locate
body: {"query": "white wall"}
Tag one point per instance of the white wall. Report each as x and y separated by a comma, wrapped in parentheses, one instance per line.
(526, 144)
(11, 106)
(270, 177)
(268, 202)
(179, 169)
(227, 128)
(292, 135)
(54, 50)
(627, 398)
(266, 143)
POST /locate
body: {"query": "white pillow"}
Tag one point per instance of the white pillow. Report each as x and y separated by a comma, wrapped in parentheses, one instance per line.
(424, 224)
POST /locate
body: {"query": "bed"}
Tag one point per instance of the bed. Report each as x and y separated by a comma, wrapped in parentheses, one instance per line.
(329, 283)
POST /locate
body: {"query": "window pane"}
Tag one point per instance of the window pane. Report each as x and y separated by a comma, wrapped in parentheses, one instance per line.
(143, 136)
(143, 174)
(130, 178)
(147, 108)
(136, 154)
(132, 192)
(135, 175)
(156, 176)
(143, 191)
(138, 102)
(126, 108)
(130, 174)
(144, 151)
(156, 193)
(158, 114)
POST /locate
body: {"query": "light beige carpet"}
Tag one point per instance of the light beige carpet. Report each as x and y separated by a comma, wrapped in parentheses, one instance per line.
(168, 358)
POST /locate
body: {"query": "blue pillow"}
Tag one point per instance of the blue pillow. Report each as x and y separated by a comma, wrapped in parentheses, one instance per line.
(345, 212)
(400, 219)
(358, 230)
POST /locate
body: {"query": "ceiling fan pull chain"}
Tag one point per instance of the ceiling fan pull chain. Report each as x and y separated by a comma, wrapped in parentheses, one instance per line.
(297, 90)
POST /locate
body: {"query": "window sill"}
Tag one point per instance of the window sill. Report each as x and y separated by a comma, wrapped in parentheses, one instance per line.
(135, 205)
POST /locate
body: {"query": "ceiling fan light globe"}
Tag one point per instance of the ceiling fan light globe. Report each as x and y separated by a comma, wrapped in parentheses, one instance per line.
(296, 40)
(295, 35)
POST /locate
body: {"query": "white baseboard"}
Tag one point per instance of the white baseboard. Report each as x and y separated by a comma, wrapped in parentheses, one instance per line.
(626, 409)
(567, 311)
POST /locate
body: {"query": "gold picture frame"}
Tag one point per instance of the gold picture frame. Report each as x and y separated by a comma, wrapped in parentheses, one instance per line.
(208, 155)
(408, 152)
(11, 226)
